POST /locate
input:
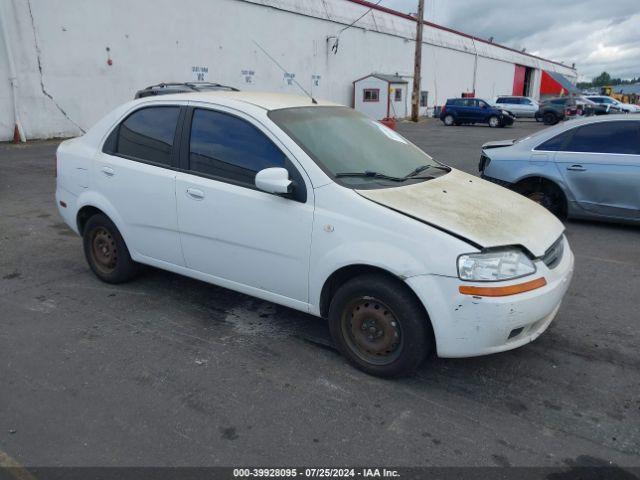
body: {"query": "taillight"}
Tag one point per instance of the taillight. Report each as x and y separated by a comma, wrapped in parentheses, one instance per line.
(444, 108)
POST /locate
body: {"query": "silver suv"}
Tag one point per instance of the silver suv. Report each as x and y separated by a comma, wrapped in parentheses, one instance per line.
(519, 106)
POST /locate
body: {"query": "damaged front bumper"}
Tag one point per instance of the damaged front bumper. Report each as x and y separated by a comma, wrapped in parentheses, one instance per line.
(466, 326)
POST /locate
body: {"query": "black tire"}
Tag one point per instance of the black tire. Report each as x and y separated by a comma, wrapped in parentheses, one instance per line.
(449, 120)
(494, 121)
(106, 252)
(380, 326)
(550, 118)
(546, 194)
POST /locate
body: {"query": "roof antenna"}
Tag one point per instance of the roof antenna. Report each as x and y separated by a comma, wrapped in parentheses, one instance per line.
(313, 100)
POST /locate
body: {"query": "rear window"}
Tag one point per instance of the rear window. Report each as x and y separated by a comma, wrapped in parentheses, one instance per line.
(556, 143)
(147, 135)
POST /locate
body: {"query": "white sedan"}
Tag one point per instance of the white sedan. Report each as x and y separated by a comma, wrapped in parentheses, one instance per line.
(316, 207)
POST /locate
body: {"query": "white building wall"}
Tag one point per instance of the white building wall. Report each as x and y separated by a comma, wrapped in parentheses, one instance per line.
(65, 83)
(493, 78)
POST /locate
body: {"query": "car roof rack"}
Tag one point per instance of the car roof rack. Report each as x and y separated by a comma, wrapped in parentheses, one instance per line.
(164, 88)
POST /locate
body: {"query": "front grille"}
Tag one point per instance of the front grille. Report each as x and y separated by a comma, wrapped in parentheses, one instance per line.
(553, 255)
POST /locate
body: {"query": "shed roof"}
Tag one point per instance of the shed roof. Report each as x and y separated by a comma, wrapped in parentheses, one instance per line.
(628, 89)
(389, 78)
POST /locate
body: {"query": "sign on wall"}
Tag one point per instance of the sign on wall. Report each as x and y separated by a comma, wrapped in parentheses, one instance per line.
(289, 77)
(199, 73)
(248, 75)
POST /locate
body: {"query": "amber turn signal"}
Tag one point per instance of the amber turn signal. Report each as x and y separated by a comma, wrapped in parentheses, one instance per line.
(502, 291)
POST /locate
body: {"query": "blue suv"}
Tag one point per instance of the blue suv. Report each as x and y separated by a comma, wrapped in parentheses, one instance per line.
(474, 110)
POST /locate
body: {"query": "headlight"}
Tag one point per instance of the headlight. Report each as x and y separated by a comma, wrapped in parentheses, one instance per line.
(494, 266)
(504, 112)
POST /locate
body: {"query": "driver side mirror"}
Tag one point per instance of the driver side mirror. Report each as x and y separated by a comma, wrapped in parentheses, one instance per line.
(274, 180)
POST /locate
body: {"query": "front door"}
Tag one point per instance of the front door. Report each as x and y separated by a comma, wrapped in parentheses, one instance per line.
(228, 228)
(601, 166)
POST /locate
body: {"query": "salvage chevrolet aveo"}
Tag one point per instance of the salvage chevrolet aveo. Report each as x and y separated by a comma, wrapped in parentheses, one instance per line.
(316, 207)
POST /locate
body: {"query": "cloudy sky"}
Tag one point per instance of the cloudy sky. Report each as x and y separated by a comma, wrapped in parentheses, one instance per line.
(595, 34)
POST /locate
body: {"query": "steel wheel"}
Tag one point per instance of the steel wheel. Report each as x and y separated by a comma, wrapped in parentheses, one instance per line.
(104, 250)
(549, 198)
(372, 331)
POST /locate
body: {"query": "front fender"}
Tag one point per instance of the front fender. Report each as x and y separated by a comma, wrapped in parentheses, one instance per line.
(395, 261)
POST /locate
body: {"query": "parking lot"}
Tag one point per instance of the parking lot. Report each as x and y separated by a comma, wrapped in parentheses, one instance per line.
(171, 371)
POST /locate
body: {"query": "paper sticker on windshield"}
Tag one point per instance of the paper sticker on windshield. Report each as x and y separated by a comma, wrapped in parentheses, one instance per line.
(390, 133)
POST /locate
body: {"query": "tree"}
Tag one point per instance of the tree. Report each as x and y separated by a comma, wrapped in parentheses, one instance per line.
(601, 80)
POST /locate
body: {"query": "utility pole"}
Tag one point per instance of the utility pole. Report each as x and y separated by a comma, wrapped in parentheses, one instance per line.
(415, 97)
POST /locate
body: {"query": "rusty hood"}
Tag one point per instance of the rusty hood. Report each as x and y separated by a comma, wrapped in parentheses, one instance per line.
(474, 209)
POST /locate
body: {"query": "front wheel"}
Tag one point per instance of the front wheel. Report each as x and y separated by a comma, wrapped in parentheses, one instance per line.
(380, 326)
(547, 195)
(494, 121)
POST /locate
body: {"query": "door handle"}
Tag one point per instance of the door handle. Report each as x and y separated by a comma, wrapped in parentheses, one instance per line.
(576, 168)
(195, 193)
(108, 171)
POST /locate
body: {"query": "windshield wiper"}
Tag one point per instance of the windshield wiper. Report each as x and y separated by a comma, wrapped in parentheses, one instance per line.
(369, 173)
(422, 168)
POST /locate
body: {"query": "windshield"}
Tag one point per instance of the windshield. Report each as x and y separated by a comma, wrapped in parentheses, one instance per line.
(354, 150)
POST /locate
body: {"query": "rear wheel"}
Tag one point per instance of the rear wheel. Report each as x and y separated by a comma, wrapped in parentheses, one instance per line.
(106, 252)
(550, 118)
(449, 120)
(494, 121)
(379, 326)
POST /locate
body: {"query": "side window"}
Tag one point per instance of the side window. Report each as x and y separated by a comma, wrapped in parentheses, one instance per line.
(555, 144)
(398, 95)
(370, 94)
(230, 148)
(501, 100)
(607, 137)
(147, 134)
(559, 101)
(525, 101)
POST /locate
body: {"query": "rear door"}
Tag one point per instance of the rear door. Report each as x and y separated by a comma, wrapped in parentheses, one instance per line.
(601, 166)
(462, 110)
(135, 172)
(231, 230)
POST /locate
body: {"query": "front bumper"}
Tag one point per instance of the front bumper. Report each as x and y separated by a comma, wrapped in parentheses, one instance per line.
(467, 326)
(507, 120)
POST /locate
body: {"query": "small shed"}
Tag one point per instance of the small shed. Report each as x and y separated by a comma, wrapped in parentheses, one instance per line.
(381, 96)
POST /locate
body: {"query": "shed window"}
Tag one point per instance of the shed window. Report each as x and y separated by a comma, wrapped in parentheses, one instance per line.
(371, 95)
(398, 95)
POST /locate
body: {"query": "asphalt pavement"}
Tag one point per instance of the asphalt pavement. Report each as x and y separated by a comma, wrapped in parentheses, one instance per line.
(169, 371)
